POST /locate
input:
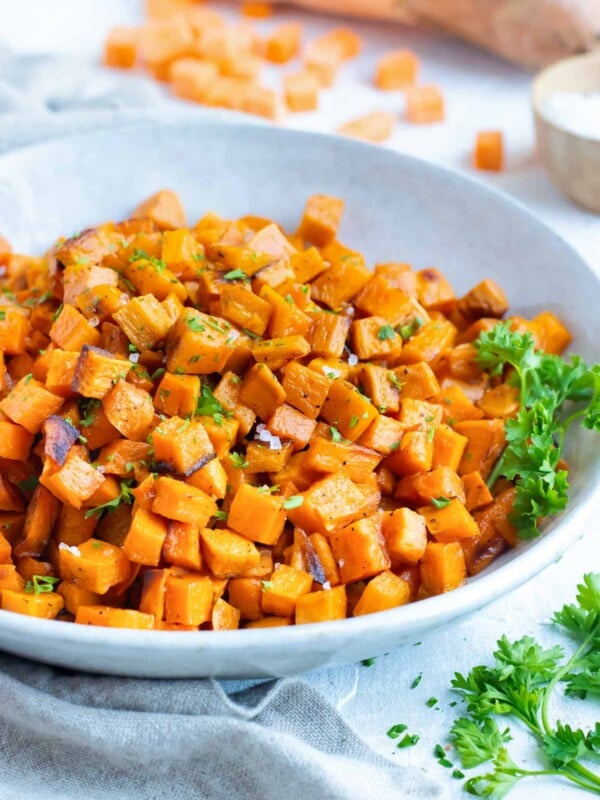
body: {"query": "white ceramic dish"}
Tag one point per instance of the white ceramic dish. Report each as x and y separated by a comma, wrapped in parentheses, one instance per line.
(397, 208)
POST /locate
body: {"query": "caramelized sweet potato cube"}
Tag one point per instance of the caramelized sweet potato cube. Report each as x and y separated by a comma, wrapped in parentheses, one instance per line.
(449, 523)
(487, 299)
(321, 606)
(199, 343)
(14, 329)
(321, 219)
(414, 454)
(397, 70)
(163, 208)
(227, 553)
(144, 321)
(46, 605)
(181, 547)
(440, 482)
(29, 404)
(145, 538)
(246, 595)
(359, 549)
(71, 330)
(129, 409)
(486, 442)
(182, 446)
(182, 502)
(188, 599)
(15, 441)
(405, 535)
(324, 455)
(348, 410)
(345, 277)
(97, 371)
(476, 491)
(288, 423)
(305, 388)
(381, 593)
(59, 437)
(42, 512)
(258, 516)
(328, 335)
(261, 391)
(177, 395)
(74, 482)
(93, 565)
(108, 617)
(225, 617)
(443, 567)
(283, 589)
(429, 342)
(242, 307)
(554, 335)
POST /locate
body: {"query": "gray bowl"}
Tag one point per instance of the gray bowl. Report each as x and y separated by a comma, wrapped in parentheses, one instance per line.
(398, 208)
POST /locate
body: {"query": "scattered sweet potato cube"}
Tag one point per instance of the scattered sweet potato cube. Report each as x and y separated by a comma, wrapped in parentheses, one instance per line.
(424, 105)
(120, 47)
(180, 501)
(258, 516)
(450, 522)
(144, 321)
(397, 70)
(301, 91)
(188, 599)
(489, 151)
(378, 126)
(283, 43)
(46, 605)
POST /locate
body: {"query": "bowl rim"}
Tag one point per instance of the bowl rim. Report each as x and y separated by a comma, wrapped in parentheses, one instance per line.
(537, 103)
(413, 617)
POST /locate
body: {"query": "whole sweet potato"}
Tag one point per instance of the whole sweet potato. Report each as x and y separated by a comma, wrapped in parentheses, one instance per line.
(531, 32)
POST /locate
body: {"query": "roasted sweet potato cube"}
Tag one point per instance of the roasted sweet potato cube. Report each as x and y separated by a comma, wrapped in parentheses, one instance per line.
(246, 595)
(380, 385)
(258, 516)
(500, 401)
(108, 617)
(79, 278)
(381, 593)
(307, 264)
(145, 538)
(321, 606)
(164, 208)
(59, 437)
(487, 299)
(42, 512)
(286, 318)
(15, 441)
(405, 535)
(129, 409)
(324, 455)
(71, 330)
(486, 442)
(283, 589)
(440, 482)
(61, 371)
(29, 404)
(152, 599)
(182, 446)
(476, 491)
(429, 342)
(457, 406)
(276, 353)
(46, 605)
(144, 321)
(397, 70)
(414, 454)
(199, 344)
(93, 565)
(443, 567)
(373, 338)
(261, 391)
(225, 617)
(449, 523)
(288, 423)
(345, 277)
(321, 219)
(424, 105)
(416, 380)
(97, 371)
(227, 553)
(555, 337)
(359, 549)
(383, 435)
(74, 482)
(120, 48)
(14, 329)
(305, 388)
(348, 410)
(242, 307)
(329, 333)
(182, 545)
(151, 276)
(329, 504)
(177, 395)
(188, 599)
(182, 502)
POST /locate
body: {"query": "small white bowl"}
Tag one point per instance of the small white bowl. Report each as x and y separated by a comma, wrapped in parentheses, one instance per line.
(397, 208)
(572, 160)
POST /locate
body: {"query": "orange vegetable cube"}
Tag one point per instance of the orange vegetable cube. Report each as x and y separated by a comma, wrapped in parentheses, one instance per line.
(434, 291)
(321, 606)
(440, 482)
(321, 219)
(345, 277)
(443, 567)
(46, 605)
(486, 442)
(429, 342)
(257, 10)
(15, 441)
(188, 599)
(145, 538)
(177, 395)
(261, 391)
(489, 151)
(75, 596)
(359, 549)
(424, 105)
(348, 410)
(405, 535)
(258, 516)
(224, 616)
(199, 344)
(144, 321)
(29, 404)
(14, 329)
(93, 565)
(244, 308)
(376, 127)
(381, 593)
(61, 372)
(227, 553)
(246, 595)
(450, 522)
(301, 91)
(283, 44)
(555, 336)
(287, 423)
(383, 435)
(476, 491)
(397, 70)
(182, 446)
(182, 502)
(97, 371)
(305, 388)
(415, 453)
(283, 589)
(129, 409)
(108, 617)
(161, 42)
(120, 48)
(73, 483)
(71, 330)
(182, 545)
(416, 380)
(191, 78)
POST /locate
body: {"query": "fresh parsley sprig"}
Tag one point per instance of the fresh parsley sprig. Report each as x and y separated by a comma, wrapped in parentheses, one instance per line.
(125, 496)
(521, 684)
(536, 436)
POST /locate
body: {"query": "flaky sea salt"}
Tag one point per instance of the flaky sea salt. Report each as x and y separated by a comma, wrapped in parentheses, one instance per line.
(352, 359)
(71, 549)
(326, 586)
(577, 112)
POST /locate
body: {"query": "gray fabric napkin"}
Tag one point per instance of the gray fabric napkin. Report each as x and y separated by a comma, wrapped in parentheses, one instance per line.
(67, 736)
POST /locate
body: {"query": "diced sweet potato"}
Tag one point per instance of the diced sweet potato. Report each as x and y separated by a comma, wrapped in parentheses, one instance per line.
(321, 606)
(443, 567)
(381, 593)
(359, 549)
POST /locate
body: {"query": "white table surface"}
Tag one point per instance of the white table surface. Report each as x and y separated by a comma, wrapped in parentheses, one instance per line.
(482, 92)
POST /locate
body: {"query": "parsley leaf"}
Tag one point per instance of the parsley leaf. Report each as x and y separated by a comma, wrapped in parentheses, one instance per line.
(295, 501)
(440, 502)
(41, 584)
(238, 460)
(235, 275)
(125, 496)
(386, 332)
(209, 406)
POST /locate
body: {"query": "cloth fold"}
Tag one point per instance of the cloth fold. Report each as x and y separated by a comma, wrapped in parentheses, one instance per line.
(66, 736)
